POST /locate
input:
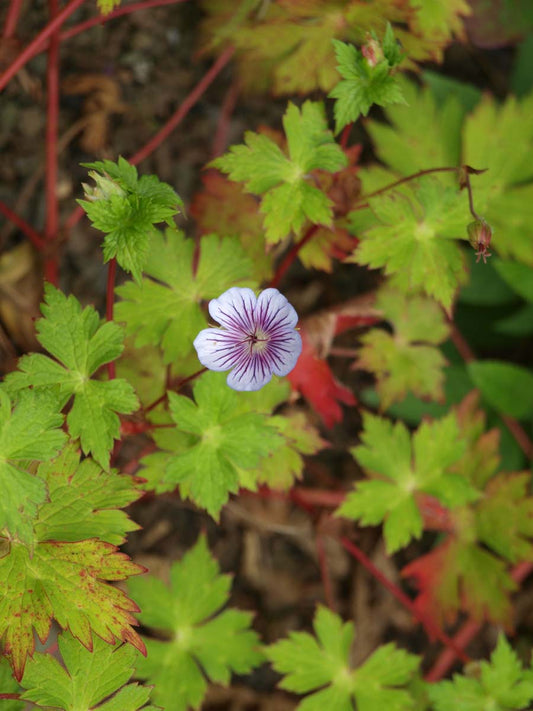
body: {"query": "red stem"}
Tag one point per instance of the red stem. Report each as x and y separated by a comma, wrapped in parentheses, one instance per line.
(431, 628)
(291, 256)
(35, 45)
(170, 125)
(119, 12)
(12, 17)
(51, 228)
(468, 631)
(23, 226)
(110, 302)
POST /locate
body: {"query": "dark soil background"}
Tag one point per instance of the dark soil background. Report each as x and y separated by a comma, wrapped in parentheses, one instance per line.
(120, 82)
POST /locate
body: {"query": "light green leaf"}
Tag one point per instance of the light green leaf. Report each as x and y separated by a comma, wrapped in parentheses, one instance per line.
(87, 678)
(203, 640)
(508, 388)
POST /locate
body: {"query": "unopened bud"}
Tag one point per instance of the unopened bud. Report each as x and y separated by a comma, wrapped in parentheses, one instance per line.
(479, 236)
(372, 52)
(105, 187)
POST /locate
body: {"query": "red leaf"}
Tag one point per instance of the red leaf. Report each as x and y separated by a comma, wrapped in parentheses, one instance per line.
(312, 376)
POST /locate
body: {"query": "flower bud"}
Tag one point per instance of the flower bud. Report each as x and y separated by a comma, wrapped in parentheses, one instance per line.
(372, 52)
(105, 187)
(479, 236)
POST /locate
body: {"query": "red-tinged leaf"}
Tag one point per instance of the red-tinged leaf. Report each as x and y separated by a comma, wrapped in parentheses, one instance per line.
(327, 244)
(66, 582)
(222, 207)
(462, 575)
(313, 377)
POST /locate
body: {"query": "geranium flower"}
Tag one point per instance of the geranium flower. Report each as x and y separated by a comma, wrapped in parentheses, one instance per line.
(257, 337)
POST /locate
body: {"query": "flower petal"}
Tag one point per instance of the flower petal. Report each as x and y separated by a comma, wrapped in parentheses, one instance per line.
(234, 309)
(274, 312)
(284, 351)
(252, 373)
(217, 349)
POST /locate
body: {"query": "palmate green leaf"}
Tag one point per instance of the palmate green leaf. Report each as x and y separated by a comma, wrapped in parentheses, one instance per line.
(469, 568)
(222, 440)
(28, 431)
(84, 501)
(87, 678)
(66, 581)
(203, 641)
(309, 664)
(290, 198)
(81, 346)
(127, 208)
(500, 684)
(412, 234)
(404, 465)
(406, 360)
(363, 82)
(164, 310)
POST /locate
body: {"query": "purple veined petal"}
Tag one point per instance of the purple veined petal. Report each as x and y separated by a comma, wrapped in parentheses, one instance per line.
(288, 347)
(257, 337)
(217, 349)
(235, 309)
(274, 311)
(250, 374)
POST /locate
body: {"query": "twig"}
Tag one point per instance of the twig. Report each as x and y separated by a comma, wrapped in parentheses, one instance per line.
(324, 572)
(170, 125)
(35, 45)
(407, 179)
(51, 267)
(23, 226)
(226, 111)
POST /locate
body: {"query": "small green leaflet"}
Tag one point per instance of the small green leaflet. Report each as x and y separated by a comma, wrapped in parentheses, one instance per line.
(65, 581)
(406, 360)
(86, 679)
(222, 439)
(500, 684)
(80, 345)
(202, 643)
(365, 81)
(412, 233)
(28, 431)
(164, 310)
(322, 666)
(290, 198)
(405, 465)
(127, 207)
(84, 501)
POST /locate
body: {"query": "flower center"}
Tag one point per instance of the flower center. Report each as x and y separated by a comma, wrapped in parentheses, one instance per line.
(258, 341)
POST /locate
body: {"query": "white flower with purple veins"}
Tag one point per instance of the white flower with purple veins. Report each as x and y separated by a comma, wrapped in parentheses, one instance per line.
(257, 337)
